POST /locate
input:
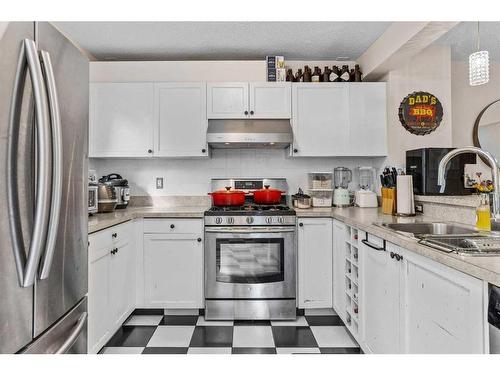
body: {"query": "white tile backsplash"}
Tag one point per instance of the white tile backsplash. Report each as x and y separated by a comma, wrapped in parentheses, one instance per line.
(192, 176)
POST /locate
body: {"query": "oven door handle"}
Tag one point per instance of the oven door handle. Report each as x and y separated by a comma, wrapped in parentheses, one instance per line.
(251, 230)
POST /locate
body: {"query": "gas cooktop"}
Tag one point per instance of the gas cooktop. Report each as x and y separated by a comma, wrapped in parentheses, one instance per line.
(251, 209)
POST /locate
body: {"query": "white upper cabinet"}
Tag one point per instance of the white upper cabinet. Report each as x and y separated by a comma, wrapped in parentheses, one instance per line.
(339, 119)
(320, 119)
(227, 100)
(315, 263)
(367, 119)
(270, 100)
(243, 100)
(121, 120)
(180, 120)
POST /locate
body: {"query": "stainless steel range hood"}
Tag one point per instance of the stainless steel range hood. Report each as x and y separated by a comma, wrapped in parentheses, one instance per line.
(249, 133)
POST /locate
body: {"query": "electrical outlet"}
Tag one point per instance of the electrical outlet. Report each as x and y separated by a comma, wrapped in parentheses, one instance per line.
(159, 182)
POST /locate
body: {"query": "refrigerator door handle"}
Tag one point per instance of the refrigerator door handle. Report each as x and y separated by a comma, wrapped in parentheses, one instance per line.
(73, 336)
(57, 171)
(27, 265)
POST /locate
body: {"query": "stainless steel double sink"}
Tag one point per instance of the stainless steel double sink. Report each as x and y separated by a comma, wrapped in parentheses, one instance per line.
(450, 237)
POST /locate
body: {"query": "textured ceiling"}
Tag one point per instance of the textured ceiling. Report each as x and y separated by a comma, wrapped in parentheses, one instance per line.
(463, 39)
(223, 40)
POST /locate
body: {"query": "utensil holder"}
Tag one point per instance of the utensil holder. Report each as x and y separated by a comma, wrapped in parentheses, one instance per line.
(389, 201)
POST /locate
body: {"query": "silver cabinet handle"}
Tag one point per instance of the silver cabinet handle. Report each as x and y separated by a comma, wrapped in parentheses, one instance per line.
(73, 336)
(27, 268)
(57, 157)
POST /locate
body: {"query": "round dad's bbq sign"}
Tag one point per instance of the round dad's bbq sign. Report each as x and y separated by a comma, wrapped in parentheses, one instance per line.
(420, 113)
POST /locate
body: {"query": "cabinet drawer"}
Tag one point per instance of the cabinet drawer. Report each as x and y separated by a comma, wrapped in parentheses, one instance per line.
(173, 226)
(110, 237)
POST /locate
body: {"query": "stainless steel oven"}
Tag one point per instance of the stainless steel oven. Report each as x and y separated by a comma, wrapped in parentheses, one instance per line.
(250, 272)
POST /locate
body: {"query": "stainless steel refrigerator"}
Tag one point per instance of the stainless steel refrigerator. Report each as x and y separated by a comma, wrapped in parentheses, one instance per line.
(44, 83)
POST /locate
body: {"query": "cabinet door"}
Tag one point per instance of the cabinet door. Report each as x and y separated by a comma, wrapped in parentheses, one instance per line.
(315, 263)
(367, 119)
(121, 119)
(227, 100)
(442, 308)
(320, 119)
(271, 100)
(173, 271)
(99, 323)
(380, 298)
(121, 289)
(181, 119)
(339, 244)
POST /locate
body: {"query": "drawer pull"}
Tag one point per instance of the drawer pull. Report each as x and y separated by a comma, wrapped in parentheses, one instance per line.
(172, 226)
(375, 247)
(199, 239)
(114, 235)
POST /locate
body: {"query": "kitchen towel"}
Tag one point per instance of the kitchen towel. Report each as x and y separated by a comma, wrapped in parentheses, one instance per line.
(405, 199)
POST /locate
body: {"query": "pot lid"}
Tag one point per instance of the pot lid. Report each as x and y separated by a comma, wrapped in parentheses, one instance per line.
(268, 188)
(114, 179)
(228, 190)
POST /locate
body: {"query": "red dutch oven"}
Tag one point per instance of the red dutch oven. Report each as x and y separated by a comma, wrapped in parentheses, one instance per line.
(228, 197)
(267, 195)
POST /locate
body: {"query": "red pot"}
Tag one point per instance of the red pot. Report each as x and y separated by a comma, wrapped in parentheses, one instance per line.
(267, 196)
(228, 197)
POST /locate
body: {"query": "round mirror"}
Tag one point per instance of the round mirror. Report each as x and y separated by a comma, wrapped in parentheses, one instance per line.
(486, 133)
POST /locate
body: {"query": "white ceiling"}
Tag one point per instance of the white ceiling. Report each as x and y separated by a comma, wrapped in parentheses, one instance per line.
(463, 39)
(223, 40)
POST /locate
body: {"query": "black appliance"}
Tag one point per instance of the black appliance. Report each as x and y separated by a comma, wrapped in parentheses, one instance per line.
(423, 165)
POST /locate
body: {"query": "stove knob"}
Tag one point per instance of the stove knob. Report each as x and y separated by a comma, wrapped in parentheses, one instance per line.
(249, 220)
(269, 220)
(230, 220)
(280, 220)
(218, 220)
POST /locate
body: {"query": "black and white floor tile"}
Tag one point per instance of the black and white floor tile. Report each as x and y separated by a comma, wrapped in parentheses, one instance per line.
(148, 331)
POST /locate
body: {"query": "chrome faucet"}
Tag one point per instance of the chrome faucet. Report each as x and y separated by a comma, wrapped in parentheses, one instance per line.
(495, 208)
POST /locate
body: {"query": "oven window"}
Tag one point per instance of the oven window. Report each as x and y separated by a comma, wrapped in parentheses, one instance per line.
(250, 261)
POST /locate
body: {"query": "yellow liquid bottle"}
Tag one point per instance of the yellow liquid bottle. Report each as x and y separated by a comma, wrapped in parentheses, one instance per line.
(483, 214)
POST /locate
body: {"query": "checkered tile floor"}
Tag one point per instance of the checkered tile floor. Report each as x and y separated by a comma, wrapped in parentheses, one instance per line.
(151, 332)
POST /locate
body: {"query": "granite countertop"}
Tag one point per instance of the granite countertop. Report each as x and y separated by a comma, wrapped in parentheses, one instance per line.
(483, 267)
(101, 221)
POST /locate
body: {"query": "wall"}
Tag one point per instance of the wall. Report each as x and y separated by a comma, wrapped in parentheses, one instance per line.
(468, 101)
(192, 71)
(428, 71)
(192, 176)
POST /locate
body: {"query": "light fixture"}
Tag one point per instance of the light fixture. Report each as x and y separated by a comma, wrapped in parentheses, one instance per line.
(479, 65)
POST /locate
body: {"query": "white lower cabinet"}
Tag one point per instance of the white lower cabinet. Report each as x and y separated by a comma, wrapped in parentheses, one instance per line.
(412, 304)
(380, 297)
(442, 308)
(314, 263)
(111, 283)
(173, 264)
(339, 239)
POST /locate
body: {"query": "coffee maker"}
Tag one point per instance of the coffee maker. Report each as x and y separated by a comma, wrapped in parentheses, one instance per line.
(341, 177)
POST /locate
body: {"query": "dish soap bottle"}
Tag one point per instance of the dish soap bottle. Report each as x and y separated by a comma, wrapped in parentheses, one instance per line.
(483, 214)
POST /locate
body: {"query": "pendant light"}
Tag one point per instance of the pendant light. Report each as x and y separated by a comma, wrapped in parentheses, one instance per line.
(479, 65)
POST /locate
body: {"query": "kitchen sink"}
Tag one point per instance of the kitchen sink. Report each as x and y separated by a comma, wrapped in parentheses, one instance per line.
(424, 229)
(478, 244)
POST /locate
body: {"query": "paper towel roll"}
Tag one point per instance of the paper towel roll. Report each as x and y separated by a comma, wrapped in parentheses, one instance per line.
(405, 199)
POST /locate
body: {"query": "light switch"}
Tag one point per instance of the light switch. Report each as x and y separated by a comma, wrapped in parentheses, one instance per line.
(159, 182)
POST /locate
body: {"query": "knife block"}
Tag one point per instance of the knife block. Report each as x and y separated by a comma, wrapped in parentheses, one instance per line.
(389, 201)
